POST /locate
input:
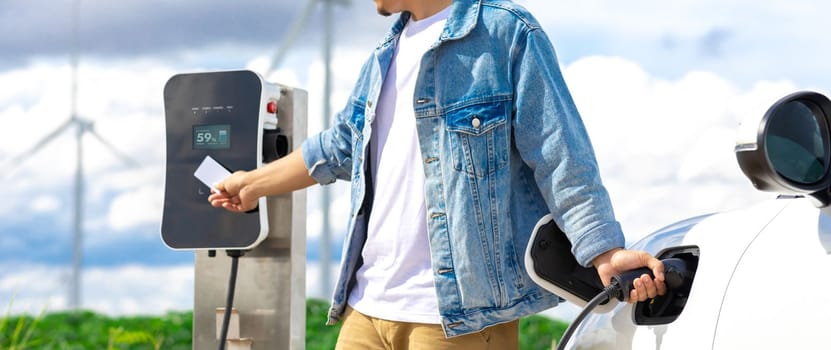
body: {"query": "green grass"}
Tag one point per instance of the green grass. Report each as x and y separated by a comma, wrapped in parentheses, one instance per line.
(88, 330)
(173, 331)
(319, 336)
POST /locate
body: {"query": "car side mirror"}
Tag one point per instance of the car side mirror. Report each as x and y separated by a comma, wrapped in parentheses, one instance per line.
(788, 151)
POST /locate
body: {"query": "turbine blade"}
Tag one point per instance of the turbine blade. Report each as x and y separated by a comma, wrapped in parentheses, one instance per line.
(124, 157)
(289, 38)
(15, 161)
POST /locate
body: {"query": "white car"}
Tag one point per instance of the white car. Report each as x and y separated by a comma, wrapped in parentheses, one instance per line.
(756, 278)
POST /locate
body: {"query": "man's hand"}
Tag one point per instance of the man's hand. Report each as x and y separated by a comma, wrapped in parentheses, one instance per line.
(234, 194)
(617, 261)
(241, 191)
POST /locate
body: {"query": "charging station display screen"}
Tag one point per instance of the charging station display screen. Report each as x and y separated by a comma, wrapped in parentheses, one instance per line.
(217, 136)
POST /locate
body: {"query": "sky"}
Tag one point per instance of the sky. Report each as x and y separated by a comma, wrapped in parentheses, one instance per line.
(661, 88)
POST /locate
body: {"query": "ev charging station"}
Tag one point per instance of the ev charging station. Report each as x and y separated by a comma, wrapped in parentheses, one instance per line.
(237, 121)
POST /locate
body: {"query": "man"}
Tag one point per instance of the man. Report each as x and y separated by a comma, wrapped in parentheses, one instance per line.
(459, 135)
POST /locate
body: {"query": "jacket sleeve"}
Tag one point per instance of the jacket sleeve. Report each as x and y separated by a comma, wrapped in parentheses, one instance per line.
(328, 155)
(551, 139)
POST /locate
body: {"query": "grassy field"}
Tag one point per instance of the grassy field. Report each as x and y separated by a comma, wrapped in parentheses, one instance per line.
(88, 330)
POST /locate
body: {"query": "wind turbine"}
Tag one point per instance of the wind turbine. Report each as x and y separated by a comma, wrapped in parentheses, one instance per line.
(82, 126)
(328, 33)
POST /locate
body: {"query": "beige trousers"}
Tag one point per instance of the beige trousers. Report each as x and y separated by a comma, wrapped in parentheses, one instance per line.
(361, 332)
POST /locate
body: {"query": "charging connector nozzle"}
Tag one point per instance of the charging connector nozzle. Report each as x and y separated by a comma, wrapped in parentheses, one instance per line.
(675, 276)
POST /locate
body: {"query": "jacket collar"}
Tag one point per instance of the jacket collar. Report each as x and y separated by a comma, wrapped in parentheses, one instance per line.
(463, 17)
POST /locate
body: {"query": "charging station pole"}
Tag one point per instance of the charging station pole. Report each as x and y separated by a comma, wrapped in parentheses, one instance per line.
(271, 282)
(229, 117)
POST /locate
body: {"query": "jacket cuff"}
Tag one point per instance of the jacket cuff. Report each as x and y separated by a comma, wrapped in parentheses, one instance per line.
(315, 161)
(598, 241)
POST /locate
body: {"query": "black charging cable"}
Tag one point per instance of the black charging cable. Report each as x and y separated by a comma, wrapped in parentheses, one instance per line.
(600, 298)
(229, 302)
(675, 275)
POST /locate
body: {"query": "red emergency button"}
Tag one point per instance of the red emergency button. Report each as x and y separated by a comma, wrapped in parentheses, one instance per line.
(271, 107)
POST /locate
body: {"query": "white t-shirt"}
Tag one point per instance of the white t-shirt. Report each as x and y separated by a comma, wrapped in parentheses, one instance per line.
(395, 281)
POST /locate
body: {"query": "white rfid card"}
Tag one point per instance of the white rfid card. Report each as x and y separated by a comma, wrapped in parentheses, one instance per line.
(210, 172)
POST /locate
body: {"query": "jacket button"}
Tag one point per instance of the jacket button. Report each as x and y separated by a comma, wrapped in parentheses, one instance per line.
(476, 122)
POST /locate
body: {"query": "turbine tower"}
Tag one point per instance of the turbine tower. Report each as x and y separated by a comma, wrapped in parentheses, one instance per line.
(82, 126)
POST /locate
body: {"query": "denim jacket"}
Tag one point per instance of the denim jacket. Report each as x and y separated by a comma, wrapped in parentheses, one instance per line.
(502, 145)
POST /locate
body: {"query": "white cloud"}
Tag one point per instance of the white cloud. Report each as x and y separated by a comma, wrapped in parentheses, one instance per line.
(741, 40)
(142, 205)
(665, 147)
(124, 101)
(32, 288)
(130, 289)
(684, 17)
(117, 290)
(45, 204)
(138, 289)
(629, 18)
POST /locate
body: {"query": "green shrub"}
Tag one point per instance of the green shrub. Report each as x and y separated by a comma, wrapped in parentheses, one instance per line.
(539, 332)
(88, 330)
(84, 330)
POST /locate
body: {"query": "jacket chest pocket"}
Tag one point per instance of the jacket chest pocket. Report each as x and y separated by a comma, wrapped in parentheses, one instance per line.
(479, 138)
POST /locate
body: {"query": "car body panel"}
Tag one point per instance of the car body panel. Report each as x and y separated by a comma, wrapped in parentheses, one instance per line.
(722, 239)
(777, 298)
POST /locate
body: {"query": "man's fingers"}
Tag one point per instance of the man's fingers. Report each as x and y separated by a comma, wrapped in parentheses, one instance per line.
(220, 186)
(638, 293)
(662, 288)
(222, 199)
(653, 264)
(232, 207)
(649, 287)
(657, 268)
(645, 288)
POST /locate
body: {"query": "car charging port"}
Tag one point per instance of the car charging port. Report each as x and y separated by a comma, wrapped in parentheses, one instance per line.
(666, 308)
(678, 280)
